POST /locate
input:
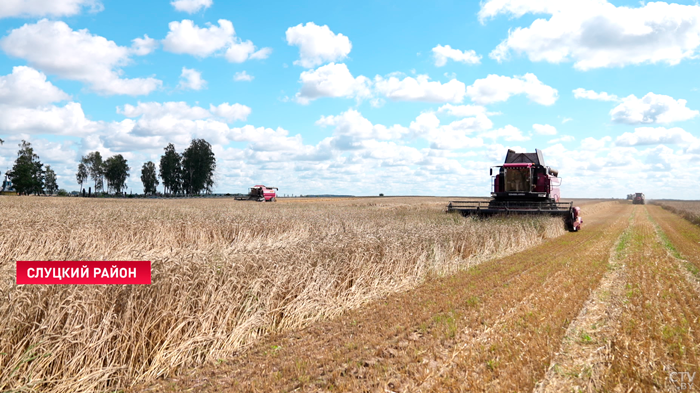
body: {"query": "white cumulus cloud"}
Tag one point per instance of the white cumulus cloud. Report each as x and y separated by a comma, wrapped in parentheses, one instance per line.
(28, 87)
(544, 129)
(518, 8)
(187, 38)
(50, 119)
(443, 53)
(191, 6)
(596, 33)
(419, 88)
(150, 124)
(231, 112)
(242, 76)
(317, 44)
(26, 107)
(592, 95)
(191, 79)
(463, 110)
(156, 110)
(332, 80)
(458, 134)
(143, 46)
(54, 48)
(563, 138)
(651, 109)
(509, 133)
(26, 8)
(592, 144)
(497, 88)
(168, 112)
(238, 52)
(352, 129)
(655, 136)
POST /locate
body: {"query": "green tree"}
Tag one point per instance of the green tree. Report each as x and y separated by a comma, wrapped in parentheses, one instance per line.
(198, 166)
(50, 178)
(149, 178)
(94, 165)
(82, 175)
(116, 171)
(171, 170)
(27, 173)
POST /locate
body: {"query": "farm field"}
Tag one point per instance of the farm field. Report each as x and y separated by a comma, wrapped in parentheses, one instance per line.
(225, 274)
(352, 295)
(689, 210)
(611, 308)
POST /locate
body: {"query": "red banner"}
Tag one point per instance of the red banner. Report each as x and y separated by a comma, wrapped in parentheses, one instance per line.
(83, 272)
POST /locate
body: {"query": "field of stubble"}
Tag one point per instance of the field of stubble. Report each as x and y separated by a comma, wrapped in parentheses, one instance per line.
(225, 274)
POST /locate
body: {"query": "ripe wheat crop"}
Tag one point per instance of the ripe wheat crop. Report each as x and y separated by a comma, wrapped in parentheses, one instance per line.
(224, 273)
(690, 210)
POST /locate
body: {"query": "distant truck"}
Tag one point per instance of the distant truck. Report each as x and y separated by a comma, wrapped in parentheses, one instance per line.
(630, 197)
(638, 199)
(260, 193)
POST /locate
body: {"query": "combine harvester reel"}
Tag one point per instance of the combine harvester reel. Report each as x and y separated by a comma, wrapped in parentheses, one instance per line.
(523, 185)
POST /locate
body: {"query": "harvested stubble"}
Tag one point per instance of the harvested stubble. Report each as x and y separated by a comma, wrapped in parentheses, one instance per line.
(580, 362)
(657, 334)
(224, 273)
(681, 237)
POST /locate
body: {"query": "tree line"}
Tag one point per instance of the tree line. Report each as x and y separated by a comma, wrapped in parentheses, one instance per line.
(28, 175)
(189, 173)
(114, 170)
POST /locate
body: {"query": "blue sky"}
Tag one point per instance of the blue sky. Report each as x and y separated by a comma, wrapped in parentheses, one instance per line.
(361, 97)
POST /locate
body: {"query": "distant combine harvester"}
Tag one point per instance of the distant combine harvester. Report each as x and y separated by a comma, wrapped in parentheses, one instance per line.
(638, 199)
(260, 193)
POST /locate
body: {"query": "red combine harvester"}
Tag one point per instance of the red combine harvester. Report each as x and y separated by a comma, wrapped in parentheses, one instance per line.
(638, 199)
(261, 194)
(523, 185)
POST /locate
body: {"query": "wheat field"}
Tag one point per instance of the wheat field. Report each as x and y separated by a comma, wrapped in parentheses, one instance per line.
(690, 210)
(224, 274)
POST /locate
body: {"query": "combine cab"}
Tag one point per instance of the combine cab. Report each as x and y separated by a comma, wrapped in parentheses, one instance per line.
(638, 199)
(260, 194)
(523, 185)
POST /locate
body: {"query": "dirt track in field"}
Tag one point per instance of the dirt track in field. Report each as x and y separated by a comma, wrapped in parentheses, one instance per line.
(611, 308)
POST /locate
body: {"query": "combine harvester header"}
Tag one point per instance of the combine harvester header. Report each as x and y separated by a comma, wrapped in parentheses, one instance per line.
(523, 185)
